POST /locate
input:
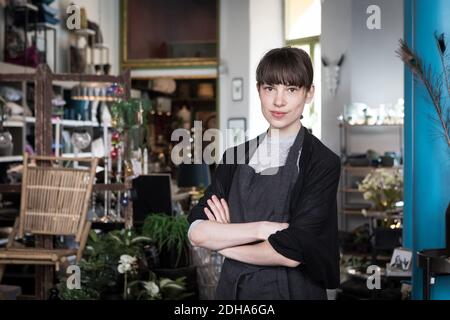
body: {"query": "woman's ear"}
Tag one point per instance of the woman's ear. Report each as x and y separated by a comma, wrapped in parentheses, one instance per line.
(310, 94)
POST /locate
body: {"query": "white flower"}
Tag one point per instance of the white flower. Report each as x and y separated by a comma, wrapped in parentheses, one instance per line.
(125, 258)
(126, 263)
(151, 288)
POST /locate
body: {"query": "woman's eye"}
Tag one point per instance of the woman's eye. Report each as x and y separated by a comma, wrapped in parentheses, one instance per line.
(269, 88)
(292, 90)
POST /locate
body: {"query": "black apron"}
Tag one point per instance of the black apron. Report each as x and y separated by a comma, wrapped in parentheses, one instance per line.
(264, 197)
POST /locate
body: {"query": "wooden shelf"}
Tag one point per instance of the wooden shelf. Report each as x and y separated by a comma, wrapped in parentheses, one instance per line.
(79, 155)
(11, 159)
(15, 68)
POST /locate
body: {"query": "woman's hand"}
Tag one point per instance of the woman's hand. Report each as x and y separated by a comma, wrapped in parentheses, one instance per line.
(220, 211)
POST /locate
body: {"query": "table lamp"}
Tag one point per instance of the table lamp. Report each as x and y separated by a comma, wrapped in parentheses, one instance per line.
(193, 176)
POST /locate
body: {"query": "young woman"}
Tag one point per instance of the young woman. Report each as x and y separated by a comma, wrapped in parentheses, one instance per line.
(273, 214)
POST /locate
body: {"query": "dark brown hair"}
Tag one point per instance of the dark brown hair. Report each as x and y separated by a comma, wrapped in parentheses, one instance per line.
(287, 66)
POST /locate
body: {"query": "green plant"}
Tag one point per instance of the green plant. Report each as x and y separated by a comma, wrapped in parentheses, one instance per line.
(383, 188)
(130, 113)
(157, 289)
(168, 232)
(129, 118)
(99, 266)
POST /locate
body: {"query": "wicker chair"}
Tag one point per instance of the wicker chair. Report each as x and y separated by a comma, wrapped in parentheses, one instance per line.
(54, 201)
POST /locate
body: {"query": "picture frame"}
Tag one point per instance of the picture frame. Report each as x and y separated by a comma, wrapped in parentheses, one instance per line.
(237, 89)
(157, 47)
(238, 127)
(401, 259)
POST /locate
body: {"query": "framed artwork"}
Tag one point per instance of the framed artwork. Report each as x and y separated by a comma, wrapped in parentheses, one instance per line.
(238, 126)
(401, 259)
(169, 33)
(237, 89)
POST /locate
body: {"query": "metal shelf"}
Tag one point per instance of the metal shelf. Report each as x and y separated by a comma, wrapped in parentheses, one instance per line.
(395, 125)
(355, 168)
(19, 122)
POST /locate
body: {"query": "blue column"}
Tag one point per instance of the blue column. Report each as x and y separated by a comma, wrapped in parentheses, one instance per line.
(427, 156)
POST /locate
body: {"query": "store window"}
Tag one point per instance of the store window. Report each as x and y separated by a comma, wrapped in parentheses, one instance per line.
(302, 29)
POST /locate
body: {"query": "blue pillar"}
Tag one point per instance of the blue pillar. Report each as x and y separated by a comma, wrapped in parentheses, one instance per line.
(427, 156)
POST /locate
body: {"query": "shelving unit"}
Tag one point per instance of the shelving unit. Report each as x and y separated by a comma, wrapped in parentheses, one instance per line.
(161, 123)
(358, 139)
(388, 137)
(44, 81)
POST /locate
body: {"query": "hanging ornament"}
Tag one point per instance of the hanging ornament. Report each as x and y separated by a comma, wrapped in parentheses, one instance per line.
(115, 137)
(112, 88)
(124, 200)
(119, 91)
(114, 153)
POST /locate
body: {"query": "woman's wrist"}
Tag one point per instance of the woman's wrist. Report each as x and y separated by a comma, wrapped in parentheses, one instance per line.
(261, 230)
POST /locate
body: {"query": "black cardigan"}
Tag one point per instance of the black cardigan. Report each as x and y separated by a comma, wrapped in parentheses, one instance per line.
(312, 235)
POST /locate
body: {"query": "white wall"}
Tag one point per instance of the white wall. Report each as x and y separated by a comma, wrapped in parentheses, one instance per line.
(234, 58)
(380, 79)
(248, 28)
(335, 40)
(266, 32)
(371, 72)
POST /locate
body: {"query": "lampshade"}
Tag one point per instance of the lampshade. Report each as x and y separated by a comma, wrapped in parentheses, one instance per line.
(194, 175)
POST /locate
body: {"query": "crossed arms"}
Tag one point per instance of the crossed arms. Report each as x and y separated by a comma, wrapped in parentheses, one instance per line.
(232, 239)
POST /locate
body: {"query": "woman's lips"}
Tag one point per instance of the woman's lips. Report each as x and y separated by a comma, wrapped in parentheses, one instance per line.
(278, 115)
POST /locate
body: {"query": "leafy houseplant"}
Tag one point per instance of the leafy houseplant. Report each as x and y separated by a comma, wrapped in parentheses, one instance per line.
(170, 236)
(383, 188)
(100, 276)
(129, 118)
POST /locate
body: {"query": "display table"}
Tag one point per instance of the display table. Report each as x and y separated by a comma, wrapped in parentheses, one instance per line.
(434, 262)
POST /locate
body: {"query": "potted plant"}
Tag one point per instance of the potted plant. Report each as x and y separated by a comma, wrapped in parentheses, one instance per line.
(100, 267)
(384, 188)
(169, 235)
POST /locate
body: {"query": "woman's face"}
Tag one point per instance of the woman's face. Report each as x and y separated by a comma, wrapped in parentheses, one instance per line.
(283, 105)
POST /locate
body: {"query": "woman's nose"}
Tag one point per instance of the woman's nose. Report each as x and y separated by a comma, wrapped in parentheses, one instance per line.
(280, 99)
